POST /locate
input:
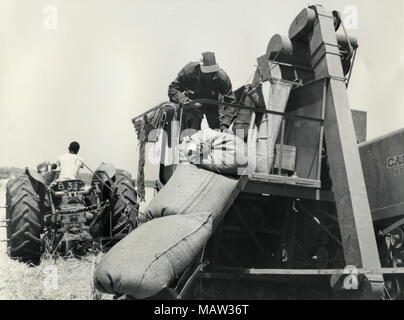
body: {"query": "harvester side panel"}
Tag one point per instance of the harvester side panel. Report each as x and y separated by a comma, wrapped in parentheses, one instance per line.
(305, 135)
(383, 168)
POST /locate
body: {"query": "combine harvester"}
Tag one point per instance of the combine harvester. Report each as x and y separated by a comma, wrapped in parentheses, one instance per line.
(326, 211)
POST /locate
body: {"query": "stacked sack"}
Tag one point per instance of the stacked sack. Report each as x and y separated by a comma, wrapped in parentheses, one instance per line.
(174, 228)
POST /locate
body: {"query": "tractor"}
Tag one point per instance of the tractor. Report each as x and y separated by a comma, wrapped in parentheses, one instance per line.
(67, 217)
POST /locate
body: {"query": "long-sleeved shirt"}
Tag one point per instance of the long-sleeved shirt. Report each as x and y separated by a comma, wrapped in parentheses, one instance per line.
(219, 88)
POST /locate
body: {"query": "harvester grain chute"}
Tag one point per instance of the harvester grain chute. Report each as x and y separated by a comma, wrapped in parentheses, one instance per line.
(325, 211)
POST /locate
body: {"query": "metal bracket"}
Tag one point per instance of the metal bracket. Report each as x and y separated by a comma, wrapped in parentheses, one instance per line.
(395, 225)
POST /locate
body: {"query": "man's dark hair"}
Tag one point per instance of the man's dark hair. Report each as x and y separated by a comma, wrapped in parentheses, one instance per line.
(74, 147)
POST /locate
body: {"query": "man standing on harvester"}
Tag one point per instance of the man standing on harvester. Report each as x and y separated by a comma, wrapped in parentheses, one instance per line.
(204, 80)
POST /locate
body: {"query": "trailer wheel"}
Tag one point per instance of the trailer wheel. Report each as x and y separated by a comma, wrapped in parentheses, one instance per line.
(25, 220)
(393, 288)
(394, 284)
(123, 219)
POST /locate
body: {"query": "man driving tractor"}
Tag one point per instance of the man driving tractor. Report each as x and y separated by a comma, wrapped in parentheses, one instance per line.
(204, 80)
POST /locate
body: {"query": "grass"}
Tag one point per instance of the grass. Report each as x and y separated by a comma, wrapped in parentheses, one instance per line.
(53, 279)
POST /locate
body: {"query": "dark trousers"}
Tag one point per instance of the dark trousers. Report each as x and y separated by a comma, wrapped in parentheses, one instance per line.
(241, 124)
(192, 118)
(243, 118)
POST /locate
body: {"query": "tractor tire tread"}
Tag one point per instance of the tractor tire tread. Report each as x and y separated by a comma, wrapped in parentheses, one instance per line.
(127, 188)
(26, 221)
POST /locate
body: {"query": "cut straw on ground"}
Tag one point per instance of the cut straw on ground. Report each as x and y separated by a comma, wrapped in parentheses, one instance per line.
(53, 279)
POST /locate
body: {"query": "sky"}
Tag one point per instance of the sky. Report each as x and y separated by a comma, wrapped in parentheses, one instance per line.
(107, 61)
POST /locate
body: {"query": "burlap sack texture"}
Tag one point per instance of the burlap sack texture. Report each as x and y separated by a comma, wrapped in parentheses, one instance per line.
(176, 225)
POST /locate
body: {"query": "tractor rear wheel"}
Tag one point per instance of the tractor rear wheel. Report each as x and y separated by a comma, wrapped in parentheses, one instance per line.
(123, 217)
(25, 220)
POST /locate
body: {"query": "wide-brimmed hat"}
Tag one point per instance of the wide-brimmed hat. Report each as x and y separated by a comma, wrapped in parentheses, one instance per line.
(209, 64)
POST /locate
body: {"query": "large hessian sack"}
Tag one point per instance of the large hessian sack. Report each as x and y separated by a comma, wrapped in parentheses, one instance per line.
(213, 150)
(153, 255)
(190, 189)
(276, 95)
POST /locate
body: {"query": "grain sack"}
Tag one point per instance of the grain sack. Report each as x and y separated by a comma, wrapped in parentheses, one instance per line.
(213, 150)
(276, 95)
(153, 255)
(190, 189)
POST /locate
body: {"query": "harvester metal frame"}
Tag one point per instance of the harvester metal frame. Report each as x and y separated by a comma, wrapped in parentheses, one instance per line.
(276, 184)
(314, 29)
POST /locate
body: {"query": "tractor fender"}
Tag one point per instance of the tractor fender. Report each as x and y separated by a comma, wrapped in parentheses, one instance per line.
(105, 171)
(35, 175)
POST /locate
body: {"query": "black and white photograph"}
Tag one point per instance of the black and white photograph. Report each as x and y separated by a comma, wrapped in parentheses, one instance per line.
(201, 155)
